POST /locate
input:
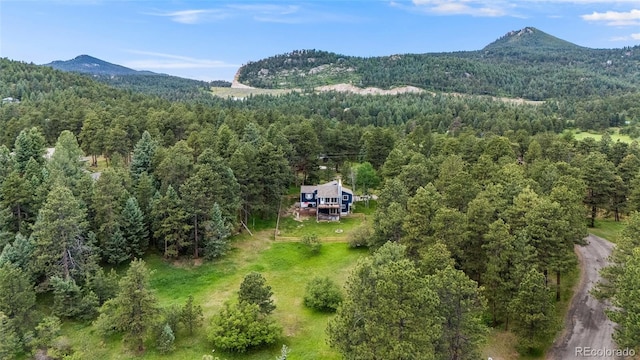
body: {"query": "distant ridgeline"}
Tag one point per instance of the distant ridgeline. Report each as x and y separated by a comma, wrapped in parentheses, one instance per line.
(526, 63)
(147, 82)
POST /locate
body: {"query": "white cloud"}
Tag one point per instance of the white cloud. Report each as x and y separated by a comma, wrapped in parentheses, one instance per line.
(615, 18)
(631, 37)
(194, 16)
(162, 61)
(496, 8)
(482, 8)
(276, 13)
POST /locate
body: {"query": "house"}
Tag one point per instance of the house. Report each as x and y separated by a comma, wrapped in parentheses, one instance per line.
(329, 201)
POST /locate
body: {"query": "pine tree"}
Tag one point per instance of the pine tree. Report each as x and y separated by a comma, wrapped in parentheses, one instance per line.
(17, 298)
(461, 308)
(626, 309)
(166, 340)
(29, 144)
(534, 308)
(10, 346)
(115, 249)
(171, 223)
(254, 290)
(18, 196)
(60, 235)
(19, 253)
(143, 154)
(191, 315)
(216, 236)
(109, 196)
(421, 209)
(66, 167)
(132, 311)
(134, 230)
(389, 312)
(241, 326)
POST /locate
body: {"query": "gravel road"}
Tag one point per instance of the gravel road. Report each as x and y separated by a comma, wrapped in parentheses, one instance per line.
(586, 325)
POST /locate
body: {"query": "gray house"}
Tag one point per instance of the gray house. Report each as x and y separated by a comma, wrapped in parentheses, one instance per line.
(330, 201)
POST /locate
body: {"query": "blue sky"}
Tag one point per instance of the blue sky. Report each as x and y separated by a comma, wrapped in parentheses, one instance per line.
(209, 40)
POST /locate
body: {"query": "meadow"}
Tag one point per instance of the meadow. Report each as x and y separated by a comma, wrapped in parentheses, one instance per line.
(287, 266)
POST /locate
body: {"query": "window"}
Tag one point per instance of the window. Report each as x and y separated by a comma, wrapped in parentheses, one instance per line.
(345, 197)
(308, 196)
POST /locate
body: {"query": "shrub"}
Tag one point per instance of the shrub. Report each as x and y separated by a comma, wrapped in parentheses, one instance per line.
(312, 243)
(166, 340)
(322, 294)
(241, 326)
(360, 236)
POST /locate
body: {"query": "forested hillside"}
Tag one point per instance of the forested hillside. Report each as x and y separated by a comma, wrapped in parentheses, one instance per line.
(488, 195)
(525, 64)
(168, 87)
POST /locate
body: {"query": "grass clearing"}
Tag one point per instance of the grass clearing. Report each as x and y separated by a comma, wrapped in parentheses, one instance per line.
(290, 228)
(608, 229)
(287, 266)
(614, 133)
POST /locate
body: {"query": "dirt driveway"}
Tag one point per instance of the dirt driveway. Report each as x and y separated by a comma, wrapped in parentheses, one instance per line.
(586, 325)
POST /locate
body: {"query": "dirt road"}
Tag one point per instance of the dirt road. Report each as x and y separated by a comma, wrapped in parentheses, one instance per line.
(586, 325)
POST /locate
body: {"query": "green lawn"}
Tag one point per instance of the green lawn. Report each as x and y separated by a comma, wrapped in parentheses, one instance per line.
(608, 229)
(287, 266)
(362, 208)
(332, 229)
(616, 136)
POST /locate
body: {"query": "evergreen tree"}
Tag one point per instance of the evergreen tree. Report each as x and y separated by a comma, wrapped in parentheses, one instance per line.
(67, 296)
(166, 340)
(62, 247)
(254, 290)
(171, 223)
(421, 209)
(626, 309)
(115, 248)
(30, 144)
(598, 174)
(10, 346)
(216, 236)
(197, 202)
(109, 196)
(242, 326)
(461, 308)
(17, 195)
(176, 165)
(17, 298)
(66, 167)
(191, 315)
(389, 311)
(133, 309)
(143, 156)
(510, 255)
(134, 230)
(92, 137)
(19, 253)
(534, 308)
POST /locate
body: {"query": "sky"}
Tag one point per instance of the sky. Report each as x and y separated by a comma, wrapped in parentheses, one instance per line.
(210, 40)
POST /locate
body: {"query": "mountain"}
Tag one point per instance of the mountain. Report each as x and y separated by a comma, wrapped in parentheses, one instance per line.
(91, 65)
(146, 82)
(526, 63)
(531, 38)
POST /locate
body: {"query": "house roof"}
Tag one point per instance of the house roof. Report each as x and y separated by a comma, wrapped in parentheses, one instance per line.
(326, 191)
(329, 189)
(308, 188)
